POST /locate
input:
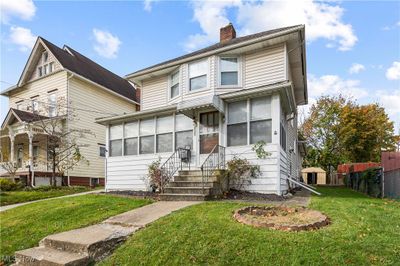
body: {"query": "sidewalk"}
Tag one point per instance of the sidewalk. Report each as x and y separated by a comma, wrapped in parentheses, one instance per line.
(12, 206)
(93, 243)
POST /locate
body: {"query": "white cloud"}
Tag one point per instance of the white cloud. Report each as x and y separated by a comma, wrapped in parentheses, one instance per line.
(322, 20)
(22, 37)
(23, 9)
(393, 72)
(356, 68)
(390, 101)
(107, 45)
(147, 5)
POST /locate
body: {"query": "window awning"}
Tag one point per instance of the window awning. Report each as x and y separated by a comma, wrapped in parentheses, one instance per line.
(189, 107)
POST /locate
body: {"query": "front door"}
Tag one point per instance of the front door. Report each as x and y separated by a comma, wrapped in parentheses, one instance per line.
(208, 131)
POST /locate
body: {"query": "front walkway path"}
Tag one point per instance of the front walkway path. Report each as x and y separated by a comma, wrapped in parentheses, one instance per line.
(12, 206)
(93, 243)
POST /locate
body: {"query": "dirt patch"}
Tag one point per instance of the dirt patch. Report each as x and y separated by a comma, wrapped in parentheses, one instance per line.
(136, 194)
(282, 218)
(252, 196)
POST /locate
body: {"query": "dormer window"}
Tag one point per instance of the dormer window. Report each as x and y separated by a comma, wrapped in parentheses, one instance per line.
(198, 75)
(174, 85)
(229, 71)
(45, 56)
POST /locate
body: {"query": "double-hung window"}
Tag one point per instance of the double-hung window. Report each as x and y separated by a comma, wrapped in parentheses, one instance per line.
(35, 104)
(183, 132)
(237, 123)
(229, 71)
(116, 134)
(52, 102)
(198, 75)
(174, 85)
(131, 138)
(249, 121)
(165, 126)
(146, 144)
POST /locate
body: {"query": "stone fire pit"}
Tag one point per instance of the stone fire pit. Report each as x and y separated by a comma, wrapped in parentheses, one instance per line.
(282, 218)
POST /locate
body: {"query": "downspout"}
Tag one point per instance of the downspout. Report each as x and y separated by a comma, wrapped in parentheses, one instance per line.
(69, 136)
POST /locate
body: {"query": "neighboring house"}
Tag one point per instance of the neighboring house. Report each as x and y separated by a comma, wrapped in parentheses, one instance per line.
(53, 81)
(234, 94)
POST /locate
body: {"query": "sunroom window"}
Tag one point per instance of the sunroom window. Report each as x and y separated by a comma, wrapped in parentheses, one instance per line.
(146, 144)
(198, 75)
(229, 74)
(116, 140)
(237, 123)
(174, 89)
(183, 132)
(165, 126)
(131, 138)
(260, 120)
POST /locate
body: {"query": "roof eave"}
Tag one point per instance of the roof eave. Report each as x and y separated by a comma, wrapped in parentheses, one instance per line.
(219, 50)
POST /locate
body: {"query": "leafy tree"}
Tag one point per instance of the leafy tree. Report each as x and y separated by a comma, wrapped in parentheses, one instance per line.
(365, 131)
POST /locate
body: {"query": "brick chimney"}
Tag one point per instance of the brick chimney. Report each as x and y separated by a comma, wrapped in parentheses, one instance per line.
(227, 33)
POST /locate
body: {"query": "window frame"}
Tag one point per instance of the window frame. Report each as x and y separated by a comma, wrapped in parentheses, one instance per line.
(239, 71)
(207, 74)
(49, 95)
(170, 84)
(35, 104)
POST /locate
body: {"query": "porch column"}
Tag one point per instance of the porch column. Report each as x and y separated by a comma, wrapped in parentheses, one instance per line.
(12, 140)
(32, 170)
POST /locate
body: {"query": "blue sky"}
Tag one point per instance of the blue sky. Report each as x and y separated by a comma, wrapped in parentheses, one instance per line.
(353, 47)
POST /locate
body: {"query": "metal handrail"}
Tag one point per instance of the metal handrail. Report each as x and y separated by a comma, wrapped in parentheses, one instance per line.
(214, 161)
(173, 164)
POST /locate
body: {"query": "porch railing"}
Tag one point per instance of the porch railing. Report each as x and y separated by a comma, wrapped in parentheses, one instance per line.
(214, 161)
(175, 162)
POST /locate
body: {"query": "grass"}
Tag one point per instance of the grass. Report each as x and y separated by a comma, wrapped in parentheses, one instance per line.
(13, 197)
(23, 227)
(364, 231)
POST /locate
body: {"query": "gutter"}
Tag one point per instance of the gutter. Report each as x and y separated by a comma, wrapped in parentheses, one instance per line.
(212, 52)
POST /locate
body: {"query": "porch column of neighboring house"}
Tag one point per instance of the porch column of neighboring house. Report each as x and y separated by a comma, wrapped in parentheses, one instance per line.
(12, 141)
(31, 167)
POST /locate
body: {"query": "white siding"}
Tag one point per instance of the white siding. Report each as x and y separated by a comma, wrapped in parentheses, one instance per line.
(264, 67)
(154, 92)
(89, 102)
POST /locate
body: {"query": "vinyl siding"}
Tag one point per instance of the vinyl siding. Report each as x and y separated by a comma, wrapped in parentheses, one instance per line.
(55, 81)
(51, 59)
(154, 92)
(84, 96)
(264, 67)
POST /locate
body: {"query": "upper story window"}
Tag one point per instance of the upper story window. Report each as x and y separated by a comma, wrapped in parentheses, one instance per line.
(52, 102)
(229, 71)
(35, 104)
(198, 75)
(45, 67)
(174, 85)
(19, 104)
(45, 57)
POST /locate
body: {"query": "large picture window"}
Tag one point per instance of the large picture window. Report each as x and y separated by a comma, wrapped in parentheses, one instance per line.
(229, 71)
(116, 135)
(174, 85)
(249, 121)
(198, 75)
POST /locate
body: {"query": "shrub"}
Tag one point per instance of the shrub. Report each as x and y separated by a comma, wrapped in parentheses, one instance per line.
(52, 188)
(9, 185)
(156, 178)
(239, 172)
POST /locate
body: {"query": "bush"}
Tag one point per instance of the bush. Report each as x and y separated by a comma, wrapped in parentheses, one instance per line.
(9, 185)
(52, 188)
(240, 172)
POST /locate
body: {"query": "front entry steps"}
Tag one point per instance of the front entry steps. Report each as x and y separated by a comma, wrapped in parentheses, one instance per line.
(188, 186)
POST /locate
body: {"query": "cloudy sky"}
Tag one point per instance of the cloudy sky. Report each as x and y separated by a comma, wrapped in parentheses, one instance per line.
(353, 47)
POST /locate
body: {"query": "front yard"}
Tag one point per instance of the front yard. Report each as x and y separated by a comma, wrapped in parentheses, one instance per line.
(23, 227)
(364, 231)
(12, 197)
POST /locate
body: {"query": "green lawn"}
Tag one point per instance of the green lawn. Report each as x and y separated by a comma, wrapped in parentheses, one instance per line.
(23, 227)
(364, 231)
(12, 197)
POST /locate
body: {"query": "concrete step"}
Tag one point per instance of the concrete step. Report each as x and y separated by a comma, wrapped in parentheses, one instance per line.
(195, 178)
(187, 190)
(44, 256)
(192, 184)
(97, 241)
(190, 172)
(182, 197)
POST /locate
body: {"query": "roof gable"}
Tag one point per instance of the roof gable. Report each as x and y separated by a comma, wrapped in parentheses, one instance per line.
(15, 115)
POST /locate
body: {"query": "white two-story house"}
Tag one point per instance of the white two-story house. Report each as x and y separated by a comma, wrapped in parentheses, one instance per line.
(60, 83)
(232, 95)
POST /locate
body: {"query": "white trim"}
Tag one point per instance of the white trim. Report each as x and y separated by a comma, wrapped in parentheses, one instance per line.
(239, 72)
(208, 72)
(170, 84)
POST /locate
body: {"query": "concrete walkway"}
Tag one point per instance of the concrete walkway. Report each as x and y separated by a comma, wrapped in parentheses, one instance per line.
(12, 206)
(93, 243)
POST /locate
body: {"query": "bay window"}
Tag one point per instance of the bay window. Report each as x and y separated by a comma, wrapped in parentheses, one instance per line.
(146, 145)
(174, 85)
(229, 71)
(249, 121)
(198, 75)
(183, 132)
(116, 134)
(131, 138)
(165, 126)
